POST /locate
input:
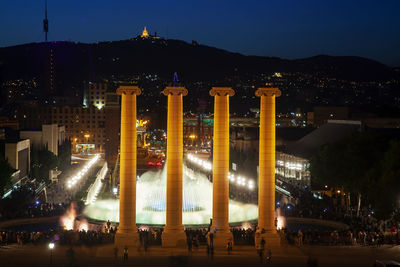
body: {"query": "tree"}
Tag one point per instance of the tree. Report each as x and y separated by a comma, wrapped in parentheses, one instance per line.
(6, 172)
(42, 162)
(384, 184)
(346, 162)
(64, 155)
(363, 164)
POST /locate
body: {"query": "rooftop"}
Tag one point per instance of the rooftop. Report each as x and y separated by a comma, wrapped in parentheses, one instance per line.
(330, 132)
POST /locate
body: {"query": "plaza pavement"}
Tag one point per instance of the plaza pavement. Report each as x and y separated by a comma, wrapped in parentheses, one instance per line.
(244, 256)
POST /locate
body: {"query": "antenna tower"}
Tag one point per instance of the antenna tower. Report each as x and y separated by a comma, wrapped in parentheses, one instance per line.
(45, 23)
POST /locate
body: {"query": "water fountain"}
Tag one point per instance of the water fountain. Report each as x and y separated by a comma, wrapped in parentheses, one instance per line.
(151, 201)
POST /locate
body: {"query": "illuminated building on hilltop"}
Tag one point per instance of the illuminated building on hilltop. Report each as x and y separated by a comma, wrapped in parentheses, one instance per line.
(145, 34)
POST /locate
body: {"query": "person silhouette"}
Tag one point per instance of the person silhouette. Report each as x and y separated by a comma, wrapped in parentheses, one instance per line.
(126, 253)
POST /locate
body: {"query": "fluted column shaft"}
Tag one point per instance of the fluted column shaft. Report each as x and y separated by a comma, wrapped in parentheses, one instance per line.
(266, 180)
(220, 222)
(173, 231)
(127, 209)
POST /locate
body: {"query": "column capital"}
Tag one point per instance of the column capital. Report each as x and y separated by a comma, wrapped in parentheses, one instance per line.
(175, 91)
(129, 90)
(268, 92)
(222, 91)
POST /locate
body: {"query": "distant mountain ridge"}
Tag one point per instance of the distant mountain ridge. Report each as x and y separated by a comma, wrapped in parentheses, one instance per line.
(76, 62)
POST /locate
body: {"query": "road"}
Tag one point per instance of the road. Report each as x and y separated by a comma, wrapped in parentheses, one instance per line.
(244, 256)
(59, 193)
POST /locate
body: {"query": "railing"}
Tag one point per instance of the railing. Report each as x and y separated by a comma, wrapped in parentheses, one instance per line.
(116, 171)
(40, 188)
(94, 188)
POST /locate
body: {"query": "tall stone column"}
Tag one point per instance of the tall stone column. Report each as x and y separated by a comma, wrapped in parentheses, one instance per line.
(266, 178)
(127, 231)
(220, 221)
(173, 234)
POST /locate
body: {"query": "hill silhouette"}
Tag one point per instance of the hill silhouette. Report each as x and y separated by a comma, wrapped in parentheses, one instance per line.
(75, 62)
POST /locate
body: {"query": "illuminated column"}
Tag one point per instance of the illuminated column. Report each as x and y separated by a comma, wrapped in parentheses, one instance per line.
(173, 234)
(220, 221)
(127, 231)
(266, 178)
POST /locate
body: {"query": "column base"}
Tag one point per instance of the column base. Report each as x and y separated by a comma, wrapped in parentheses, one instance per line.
(221, 237)
(129, 239)
(272, 238)
(173, 237)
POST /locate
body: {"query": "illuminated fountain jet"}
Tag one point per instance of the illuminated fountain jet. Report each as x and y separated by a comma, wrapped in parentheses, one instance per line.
(151, 201)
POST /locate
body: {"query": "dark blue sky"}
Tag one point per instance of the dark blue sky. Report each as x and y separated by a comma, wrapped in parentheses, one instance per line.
(283, 28)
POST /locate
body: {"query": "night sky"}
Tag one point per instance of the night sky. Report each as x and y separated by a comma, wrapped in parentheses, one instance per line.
(282, 28)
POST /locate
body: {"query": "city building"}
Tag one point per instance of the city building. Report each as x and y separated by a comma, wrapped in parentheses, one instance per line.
(51, 136)
(112, 112)
(293, 164)
(95, 95)
(292, 168)
(198, 130)
(17, 152)
(7, 123)
(321, 115)
(85, 127)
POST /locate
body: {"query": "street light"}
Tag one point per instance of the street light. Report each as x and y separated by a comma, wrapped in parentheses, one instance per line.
(87, 142)
(51, 246)
(192, 137)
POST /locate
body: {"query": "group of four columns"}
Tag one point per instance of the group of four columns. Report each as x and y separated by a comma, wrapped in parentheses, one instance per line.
(173, 234)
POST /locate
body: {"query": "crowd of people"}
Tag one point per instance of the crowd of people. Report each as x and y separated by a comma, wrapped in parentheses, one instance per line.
(340, 238)
(197, 237)
(63, 237)
(363, 229)
(35, 210)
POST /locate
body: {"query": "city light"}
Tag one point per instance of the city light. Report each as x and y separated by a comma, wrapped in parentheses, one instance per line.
(67, 220)
(239, 180)
(290, 165)
(83, 226)
(293, 166)
(141, 123)
(74, 179)
(251, 184)
(99, 106)
(203, 163)
(51, 246)
(280, 223)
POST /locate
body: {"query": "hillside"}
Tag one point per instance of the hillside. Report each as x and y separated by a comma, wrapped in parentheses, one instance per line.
(75, 62)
